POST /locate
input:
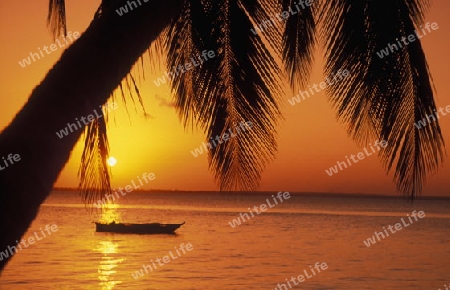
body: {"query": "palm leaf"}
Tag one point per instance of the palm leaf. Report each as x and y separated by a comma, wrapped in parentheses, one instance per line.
(56, 18)
(240, 84)
(298, 41)
(384, 97)
(93, 173)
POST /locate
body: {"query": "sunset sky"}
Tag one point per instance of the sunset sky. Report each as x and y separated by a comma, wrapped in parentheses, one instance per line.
(310, 139)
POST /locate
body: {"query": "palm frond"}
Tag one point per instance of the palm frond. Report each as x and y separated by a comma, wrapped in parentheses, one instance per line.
(384, 96)
(94, 176)
(299, 41)
(56, 18)
(93, 172)
(240, 84)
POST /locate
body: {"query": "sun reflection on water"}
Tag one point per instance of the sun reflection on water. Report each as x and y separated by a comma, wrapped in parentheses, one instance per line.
(110, 214)
(109, 250)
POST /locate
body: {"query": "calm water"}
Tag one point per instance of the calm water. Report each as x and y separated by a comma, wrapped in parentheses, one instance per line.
(277, 244)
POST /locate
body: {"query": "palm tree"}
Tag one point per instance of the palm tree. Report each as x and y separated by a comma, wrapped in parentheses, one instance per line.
(382, 98)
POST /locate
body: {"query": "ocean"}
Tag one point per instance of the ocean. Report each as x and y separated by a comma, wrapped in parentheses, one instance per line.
(305, 242)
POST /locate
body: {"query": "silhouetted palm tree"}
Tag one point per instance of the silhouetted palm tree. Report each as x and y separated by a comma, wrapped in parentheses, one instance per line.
(382, 98)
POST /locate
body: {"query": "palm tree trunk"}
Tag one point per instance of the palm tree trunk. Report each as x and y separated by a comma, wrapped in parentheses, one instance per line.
(81, 81)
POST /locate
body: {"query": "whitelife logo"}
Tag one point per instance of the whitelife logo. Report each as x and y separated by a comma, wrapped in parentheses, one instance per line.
(398, 227)
(10, 160)
(329, 81)
(223, 138)
(110, 197)
(280, 195)
(407, 40)
(180, 69)
(53, 47)
(301, 278)
(90, 118)
(360, 155)
(431, 118)
(31, 240)
(166, 259)
(124, 9)
(284, 16)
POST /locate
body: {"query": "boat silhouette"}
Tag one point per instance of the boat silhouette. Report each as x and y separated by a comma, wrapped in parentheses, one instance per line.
(151, 228)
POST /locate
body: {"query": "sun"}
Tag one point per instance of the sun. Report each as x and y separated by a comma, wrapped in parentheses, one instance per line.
(111, 161)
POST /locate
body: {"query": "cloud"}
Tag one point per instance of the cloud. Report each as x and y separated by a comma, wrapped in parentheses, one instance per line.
(163, 102)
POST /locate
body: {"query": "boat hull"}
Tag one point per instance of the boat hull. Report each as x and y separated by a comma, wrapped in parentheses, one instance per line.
(153, 228)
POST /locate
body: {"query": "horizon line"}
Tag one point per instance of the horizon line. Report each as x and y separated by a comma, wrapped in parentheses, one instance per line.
(304, 193)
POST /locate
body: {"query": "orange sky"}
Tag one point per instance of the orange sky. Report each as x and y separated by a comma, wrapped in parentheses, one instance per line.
(310, 140)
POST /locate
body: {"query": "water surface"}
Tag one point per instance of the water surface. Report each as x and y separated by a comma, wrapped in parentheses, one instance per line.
(260, 253)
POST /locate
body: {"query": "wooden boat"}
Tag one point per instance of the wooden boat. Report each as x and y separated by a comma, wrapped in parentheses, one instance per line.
(153, 228)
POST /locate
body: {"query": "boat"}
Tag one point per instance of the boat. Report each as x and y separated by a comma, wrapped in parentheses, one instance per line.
(152, 228)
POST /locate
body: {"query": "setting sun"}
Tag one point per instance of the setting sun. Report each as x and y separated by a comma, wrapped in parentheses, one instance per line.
(111, 161)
